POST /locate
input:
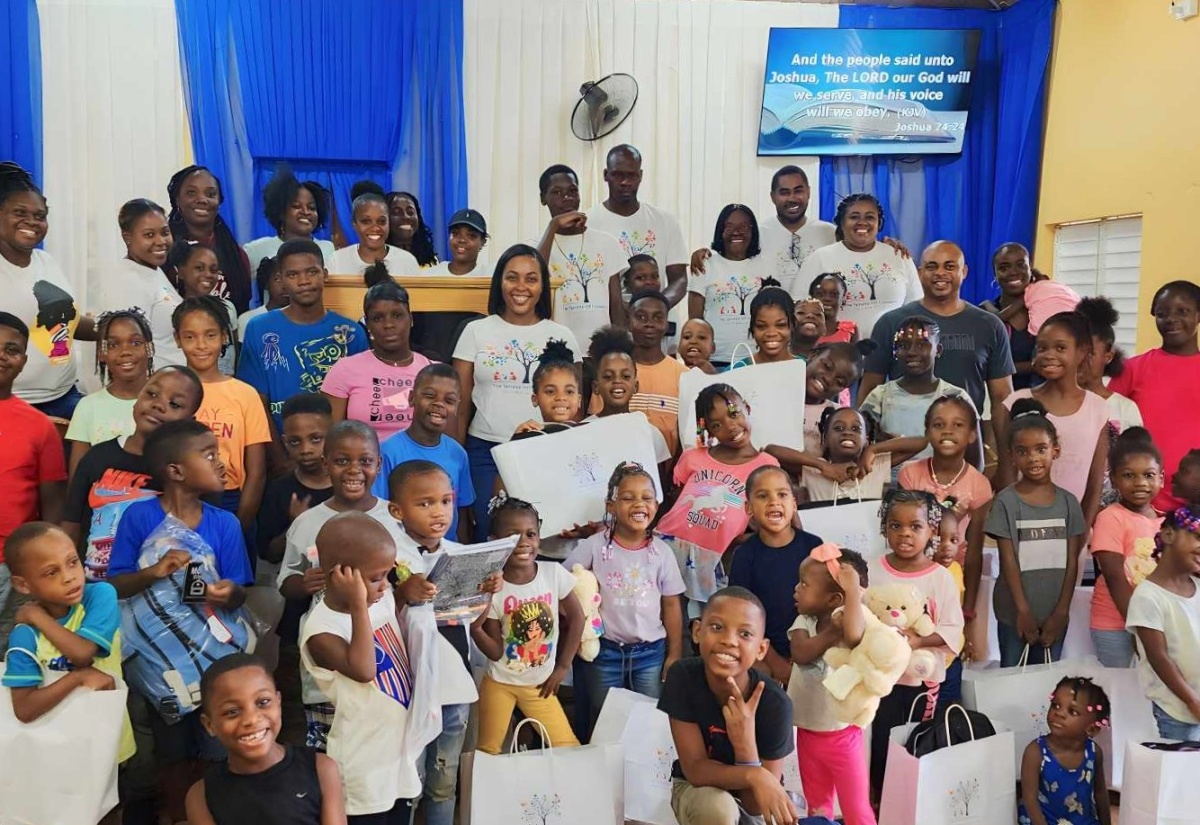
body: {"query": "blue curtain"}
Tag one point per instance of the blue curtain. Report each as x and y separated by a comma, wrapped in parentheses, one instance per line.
(987, 194)
(21, 85)
(341, 91)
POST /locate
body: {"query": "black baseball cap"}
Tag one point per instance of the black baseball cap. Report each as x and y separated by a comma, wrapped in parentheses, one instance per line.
(468, 217)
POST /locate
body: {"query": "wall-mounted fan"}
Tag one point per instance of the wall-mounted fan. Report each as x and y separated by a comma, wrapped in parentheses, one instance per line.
(603, 106)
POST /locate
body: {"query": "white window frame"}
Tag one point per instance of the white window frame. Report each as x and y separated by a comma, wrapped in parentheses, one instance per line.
(1093, 255)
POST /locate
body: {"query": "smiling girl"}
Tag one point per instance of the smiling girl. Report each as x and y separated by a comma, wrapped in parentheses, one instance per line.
(295, 211)
(197, 275)
(730, 278)
(196, 197)
(370, 221)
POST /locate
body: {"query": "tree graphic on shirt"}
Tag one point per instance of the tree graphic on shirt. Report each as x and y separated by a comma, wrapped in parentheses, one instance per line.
(540, 809)
(582, 270)
(872, 276)
(744, 289)
(524, 354)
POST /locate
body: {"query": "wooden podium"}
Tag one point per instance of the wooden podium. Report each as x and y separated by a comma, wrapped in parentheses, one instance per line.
(427, 293)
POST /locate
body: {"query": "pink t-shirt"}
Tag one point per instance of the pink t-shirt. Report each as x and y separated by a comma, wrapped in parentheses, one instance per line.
(1046, 298)
(376, 393)
(971, 491)
(1120, 530)
(711, 509)
(1078, 435)
(1168, 407)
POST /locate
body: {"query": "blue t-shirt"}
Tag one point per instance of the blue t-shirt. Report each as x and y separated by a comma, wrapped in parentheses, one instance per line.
(96, 618)
(219, 528)
(772, 573)
(281, 358)
(448, 454)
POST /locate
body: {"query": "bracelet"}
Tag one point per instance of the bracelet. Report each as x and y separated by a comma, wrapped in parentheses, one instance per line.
(748, 764)
(968, 614)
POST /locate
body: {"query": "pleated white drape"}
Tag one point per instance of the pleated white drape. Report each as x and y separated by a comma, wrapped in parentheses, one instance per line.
(699, 65)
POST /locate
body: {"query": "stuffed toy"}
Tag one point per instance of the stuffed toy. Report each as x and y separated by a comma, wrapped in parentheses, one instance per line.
(587, 590)
(1141, 564)
(860, 676)
(903, 607)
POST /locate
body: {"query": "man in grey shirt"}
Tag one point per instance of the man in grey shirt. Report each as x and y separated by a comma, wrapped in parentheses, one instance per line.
(975, 353)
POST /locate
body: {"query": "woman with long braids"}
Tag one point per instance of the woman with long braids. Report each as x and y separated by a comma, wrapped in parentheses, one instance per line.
(139, 279)
(408, 229)
(195, 195)
(37, 292)
(879, 277)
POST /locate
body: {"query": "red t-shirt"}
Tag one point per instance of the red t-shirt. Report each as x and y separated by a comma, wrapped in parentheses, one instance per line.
(31, 453)
(1166, 389)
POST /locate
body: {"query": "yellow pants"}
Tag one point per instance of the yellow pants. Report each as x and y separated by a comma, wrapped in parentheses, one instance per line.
(496, 703)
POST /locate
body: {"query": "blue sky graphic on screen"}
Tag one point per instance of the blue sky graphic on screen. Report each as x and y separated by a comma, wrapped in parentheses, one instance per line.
(866, 91)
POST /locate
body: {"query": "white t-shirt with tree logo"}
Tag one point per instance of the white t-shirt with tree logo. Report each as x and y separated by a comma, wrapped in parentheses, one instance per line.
(877, 281)
(648, 231)
(584, 262)
(505, 356)
(728, 288)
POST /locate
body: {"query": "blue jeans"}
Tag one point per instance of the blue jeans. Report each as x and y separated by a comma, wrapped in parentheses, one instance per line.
(1171, 728)
(483, 479)
(1012, 647)
(951, 688)
(439, 771)
(636, 667)
(62, 407)
(1114, 648)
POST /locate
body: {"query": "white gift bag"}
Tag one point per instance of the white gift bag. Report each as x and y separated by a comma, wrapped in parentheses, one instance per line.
(62, 767)
(634, 722)
(854, 525)
(565, 474)
(775, 393)
(550, 786)
(1161, 786)
(973, 783)
(1019, 697)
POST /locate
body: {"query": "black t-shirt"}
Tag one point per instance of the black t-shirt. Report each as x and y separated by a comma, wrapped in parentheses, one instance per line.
(107, 480)
(771, 573)
(273, 520)
(286, 793)
(687, 697)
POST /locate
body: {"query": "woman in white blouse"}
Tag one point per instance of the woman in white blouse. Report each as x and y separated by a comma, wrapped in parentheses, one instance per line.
(494, 358)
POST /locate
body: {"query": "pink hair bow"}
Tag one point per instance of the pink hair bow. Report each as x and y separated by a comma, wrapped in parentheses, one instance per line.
(828, 553)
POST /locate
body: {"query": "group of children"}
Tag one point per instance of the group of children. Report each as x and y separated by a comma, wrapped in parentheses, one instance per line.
(346, 536)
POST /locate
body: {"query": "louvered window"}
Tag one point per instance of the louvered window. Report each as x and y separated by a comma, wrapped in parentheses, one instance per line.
(1104, 257)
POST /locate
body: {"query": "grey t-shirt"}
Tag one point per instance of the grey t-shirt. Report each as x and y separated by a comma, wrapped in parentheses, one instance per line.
(975, 347)
(1039, 536)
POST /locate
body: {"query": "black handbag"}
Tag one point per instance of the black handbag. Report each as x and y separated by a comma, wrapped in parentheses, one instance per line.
(952, 724)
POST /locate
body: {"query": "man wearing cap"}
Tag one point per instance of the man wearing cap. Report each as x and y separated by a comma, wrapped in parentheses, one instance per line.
(639, 227)
(468, 235)
(585, 258)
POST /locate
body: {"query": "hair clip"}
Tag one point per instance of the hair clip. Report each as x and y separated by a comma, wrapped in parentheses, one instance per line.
(1027, 413)
(496, 501)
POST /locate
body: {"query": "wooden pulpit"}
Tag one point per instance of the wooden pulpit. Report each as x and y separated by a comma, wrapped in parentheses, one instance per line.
(427, 293)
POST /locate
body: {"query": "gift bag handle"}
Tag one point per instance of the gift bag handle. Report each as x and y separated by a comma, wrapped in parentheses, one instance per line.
(733, 358)
(512, 749)
(966, 716)
(1023, 662)
(912, 708)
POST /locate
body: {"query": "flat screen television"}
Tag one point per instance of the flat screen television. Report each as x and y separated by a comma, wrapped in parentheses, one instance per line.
(867, 91)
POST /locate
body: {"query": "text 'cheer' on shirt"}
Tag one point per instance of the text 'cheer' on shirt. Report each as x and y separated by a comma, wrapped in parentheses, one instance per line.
(878, 280)
(585, 262)
(728, 287)
(505, 356)
(375, 392)
(281, 357)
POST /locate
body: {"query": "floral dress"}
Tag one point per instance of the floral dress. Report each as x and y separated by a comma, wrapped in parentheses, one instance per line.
(1067, 796)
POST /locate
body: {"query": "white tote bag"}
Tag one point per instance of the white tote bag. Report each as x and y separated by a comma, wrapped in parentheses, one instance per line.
(775, 393)
(61, 769)
(1161, 787)
(565, 474)
(634, 722)
(553, 786)
(1019, 697)
(854, 525)
(973, 783)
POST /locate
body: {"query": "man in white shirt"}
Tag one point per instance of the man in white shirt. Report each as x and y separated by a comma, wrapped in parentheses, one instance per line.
(584, 257)
(788, 238)
(639, 227)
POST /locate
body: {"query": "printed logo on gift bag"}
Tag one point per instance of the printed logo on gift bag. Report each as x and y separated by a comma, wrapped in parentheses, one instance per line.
(663, 759)
(541, 809)
(585, 468)
(962, 797)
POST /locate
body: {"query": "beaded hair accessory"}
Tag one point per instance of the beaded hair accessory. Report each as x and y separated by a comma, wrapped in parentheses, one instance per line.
(496, 502)
(911, 332)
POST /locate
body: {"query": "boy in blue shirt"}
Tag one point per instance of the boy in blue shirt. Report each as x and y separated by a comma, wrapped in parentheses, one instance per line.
(768, 563)
(184, 460)
(434, 401)
(289, 350)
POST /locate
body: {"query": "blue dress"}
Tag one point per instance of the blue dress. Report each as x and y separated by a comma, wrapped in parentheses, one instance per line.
(1066, 796)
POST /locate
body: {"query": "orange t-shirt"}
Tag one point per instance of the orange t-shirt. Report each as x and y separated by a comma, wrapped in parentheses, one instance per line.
(658, 397)
(1120, 530)
(234, 412)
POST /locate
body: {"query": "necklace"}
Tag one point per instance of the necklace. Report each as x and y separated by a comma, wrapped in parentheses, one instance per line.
(953, 481)
(572, 262)
(398, 362)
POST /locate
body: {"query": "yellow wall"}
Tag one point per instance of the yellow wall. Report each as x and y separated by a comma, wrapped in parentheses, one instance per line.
(1123, 134)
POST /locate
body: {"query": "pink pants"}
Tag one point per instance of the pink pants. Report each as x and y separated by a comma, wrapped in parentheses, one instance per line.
(834, 761)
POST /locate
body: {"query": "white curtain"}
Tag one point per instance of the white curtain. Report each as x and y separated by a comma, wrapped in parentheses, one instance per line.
(699, 65)
(114, 123)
